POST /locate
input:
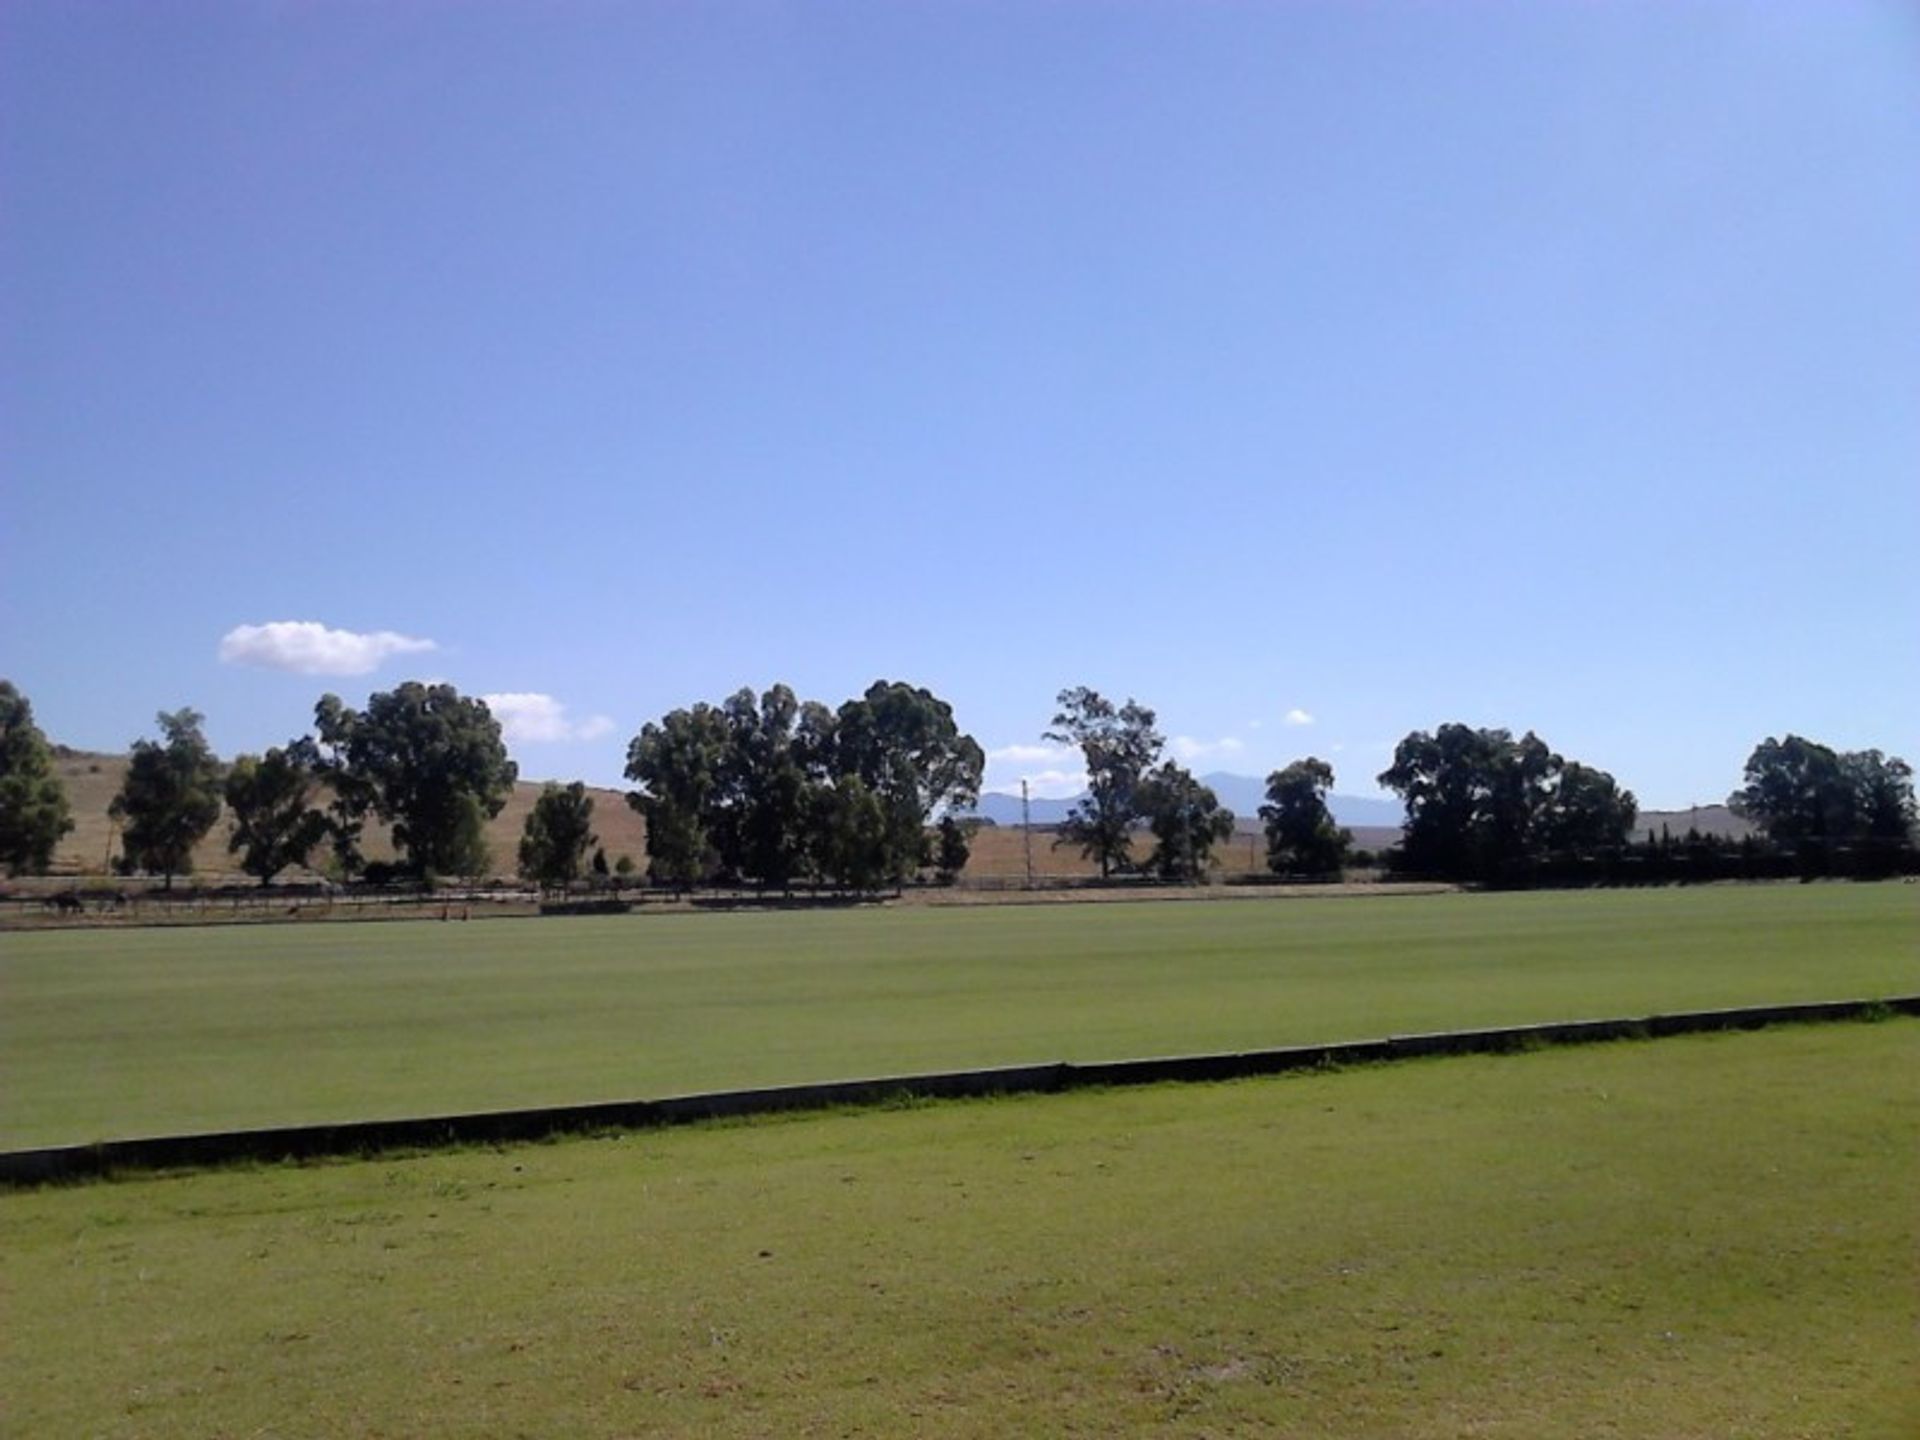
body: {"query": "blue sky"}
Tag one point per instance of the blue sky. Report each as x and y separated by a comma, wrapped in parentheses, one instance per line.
(1313, 373)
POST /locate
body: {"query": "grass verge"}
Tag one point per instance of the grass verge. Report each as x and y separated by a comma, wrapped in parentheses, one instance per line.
(1710, 1236)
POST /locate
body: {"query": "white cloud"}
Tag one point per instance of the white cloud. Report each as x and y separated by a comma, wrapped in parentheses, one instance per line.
(1052, 772)
(306, 647)
(529, 718)
(1052, 784)
(1190, 749)
(1297, 716)
(1029, 754)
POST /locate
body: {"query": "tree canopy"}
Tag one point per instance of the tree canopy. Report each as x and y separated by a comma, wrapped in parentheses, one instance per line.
(676, 762)
(557, 836)
(1482, 805)
(425, 760)
(1118, 745)
(170, 798)
(902, 743)
(1302, 838)
(1803, 793)
(1187, 821)
(768, 789)
(273, 823)
(34, 814)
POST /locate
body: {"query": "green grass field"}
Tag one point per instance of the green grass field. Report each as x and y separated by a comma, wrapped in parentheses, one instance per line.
(1693, 1239)
(108, 1033)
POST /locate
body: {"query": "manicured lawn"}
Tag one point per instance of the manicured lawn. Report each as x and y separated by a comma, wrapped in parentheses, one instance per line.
(1703, 1237)
(111, 1033)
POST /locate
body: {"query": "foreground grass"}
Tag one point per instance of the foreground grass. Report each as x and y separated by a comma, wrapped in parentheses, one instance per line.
(1705, 1237)
(114, 1033)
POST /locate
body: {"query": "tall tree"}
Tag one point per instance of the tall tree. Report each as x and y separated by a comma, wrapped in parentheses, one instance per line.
(1882, 790)
(1482, 805)
(677, 763)
(953, 844)
(1796, 792)
(761, 821)
(427, 761)
(33, 804)
(273, 821)
(1302, 838)
(170, 798)
(1442, 777)
(350, 796)
(903, 744)
(557, 836)
(1803, 793)
(1586, 812)
(849, 840)
(1187, 821)
(1118, 746)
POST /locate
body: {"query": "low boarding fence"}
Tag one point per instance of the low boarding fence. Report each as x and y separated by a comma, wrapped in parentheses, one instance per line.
(142, 906)
(301, 1142)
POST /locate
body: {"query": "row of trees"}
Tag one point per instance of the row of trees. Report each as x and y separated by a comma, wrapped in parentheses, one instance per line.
(1806, 795)
(1482, 805)
(768, 789)
(1131, 786)
(34, 814)
(421, 759)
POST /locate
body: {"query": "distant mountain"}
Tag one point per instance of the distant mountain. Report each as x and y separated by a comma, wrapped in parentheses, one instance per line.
(1242, 794)
(1005, 809)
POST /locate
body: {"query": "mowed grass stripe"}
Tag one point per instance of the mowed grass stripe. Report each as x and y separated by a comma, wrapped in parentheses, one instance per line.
(116, 1033)
(1702, 1237)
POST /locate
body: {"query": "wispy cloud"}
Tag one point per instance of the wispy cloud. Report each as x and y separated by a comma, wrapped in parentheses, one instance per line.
(530, 718)
(1189, 749)
(1297, 716)
(306, 647)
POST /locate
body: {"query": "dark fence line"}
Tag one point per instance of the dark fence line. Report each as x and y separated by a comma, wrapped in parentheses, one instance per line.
(363, 1137)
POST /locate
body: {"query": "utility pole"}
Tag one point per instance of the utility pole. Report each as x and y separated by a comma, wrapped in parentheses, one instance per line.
(1186, 826)
(1026, 829)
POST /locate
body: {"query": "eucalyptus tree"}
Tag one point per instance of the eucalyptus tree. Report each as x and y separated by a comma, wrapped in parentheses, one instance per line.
(557, 836)
(1804, 793)
(1187, 821)
(426, 760)
(1302, 838)
(1118, 745)
(1482, 805)
(676, 763)
(170, 797)
(274, 822)
(34, 813)
(903, 744)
